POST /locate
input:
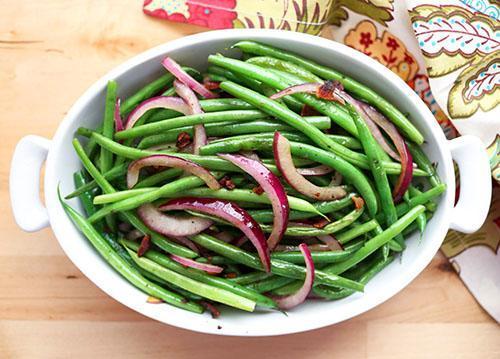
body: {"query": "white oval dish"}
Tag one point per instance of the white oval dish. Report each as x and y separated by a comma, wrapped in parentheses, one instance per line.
(61, 162)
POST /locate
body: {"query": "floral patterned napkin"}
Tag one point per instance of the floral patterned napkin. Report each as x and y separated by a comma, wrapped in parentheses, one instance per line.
(447, 51)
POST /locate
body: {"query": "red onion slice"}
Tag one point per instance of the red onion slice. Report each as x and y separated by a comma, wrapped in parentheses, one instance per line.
(240, 241)
(284, 161)
(312, 247)
(315, 171)
(170, 161)
(200, 135)
(168, 102)
(175, 69)
(331, 242)
(186, 243)
(170, 225)
(326, 91)
(272, 187)
(209, 268)
(405, 157)
(117, 117)
(224, 236)
(300, 296)
(309, 87)
(230, 212)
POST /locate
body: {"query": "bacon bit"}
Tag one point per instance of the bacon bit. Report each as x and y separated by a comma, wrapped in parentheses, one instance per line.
(145, 244)
(154, 300)
(320, 223)
(257, 190)
(329, 91)
(183, 140)
(227, 183)
(211, 85)
(308, 111)
(211, 308)
(231, 275)
(358, 202)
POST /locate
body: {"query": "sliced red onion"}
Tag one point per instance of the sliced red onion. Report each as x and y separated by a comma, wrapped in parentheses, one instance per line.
(117, 117)
(312, 247)
(309, 87)
(331, 242)
(271, 185)
(168, 102)
(405, 156)
(300, 296)
(200, 135)
(172, 226)
(251, 154)
(134, 234)
(170, 161)
(175, 69)
(240, 241)
(284, 161)
(224, 236)
(209, 268)
(315, 171)
(230, 212)
(326, 91)
(337, 179)
(373, 118)
(186, 243)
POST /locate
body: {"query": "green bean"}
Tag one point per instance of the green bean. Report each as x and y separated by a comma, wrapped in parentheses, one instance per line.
(245, 196)
(121, 195)
(378, 172)
(414, 226)
(356, 231)
(285, 66)
(152, 89)
(278, 267)
(204, 118)
(110, 175)
(349, 84)
(269, 284)
(209, 162)
(319, 138)
(330, 228)
(108, 126)
(420, 199)
(351, 173)
(364, 274)
(324, 207)
(242, 128)
(212, 105)
(250, 278)
(277, 80)
(203, 277)
(424, 163)
(159, 177)
(87, 197)
(169, 246)
(123, 268)
(148, 197)
(319, 257)
(376, 242)
(199, 288)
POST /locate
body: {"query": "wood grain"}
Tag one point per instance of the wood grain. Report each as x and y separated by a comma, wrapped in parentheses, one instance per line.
(50, 52)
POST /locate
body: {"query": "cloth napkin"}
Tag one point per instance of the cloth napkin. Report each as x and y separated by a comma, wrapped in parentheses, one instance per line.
(447, 51)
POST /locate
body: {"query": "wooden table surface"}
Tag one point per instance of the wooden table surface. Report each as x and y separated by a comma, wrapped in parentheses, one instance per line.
(50, 52)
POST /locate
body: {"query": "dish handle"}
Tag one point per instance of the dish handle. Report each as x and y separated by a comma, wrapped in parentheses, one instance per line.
(472, 207)
(24, 182)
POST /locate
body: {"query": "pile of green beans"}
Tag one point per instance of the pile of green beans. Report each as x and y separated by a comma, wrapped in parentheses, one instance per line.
(367, 226)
